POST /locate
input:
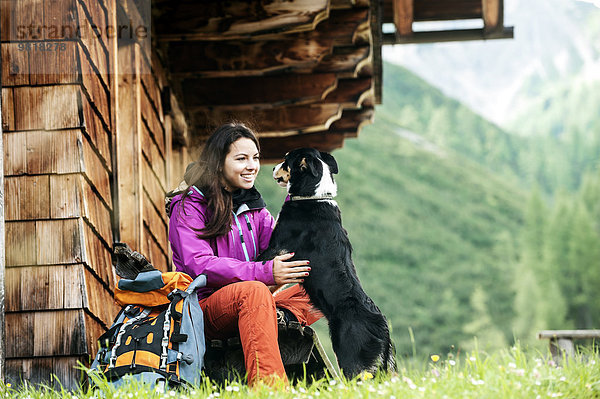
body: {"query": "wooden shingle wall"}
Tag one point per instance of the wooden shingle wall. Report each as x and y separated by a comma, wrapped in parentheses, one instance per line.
(64, 126)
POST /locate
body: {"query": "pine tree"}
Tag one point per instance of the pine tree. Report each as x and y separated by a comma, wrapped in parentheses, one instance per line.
(488, 335)
(556, 248)
(583, 268)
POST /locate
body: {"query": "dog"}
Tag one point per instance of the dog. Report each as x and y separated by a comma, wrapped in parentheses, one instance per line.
(310, 225)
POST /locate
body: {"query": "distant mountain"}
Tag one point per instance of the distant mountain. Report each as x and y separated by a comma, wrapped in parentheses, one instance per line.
(554, 40)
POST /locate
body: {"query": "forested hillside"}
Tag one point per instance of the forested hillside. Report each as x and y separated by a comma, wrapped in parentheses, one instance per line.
(456, 228)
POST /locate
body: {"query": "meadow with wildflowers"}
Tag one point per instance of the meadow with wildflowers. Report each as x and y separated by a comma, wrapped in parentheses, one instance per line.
(510, 373)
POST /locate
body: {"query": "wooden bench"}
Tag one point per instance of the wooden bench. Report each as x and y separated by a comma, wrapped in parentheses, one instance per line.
(561, 341)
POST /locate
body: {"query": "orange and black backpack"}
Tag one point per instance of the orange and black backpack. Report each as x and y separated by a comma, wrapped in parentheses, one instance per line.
(158, 336)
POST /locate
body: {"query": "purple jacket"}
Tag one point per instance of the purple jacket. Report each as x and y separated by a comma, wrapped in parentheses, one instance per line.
(223, 259)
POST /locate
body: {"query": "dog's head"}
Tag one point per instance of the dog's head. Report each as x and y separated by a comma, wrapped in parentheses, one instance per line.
(307, 172)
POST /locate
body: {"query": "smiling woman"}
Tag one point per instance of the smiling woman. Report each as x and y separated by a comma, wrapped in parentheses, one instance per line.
(218, 227)
(241, 165)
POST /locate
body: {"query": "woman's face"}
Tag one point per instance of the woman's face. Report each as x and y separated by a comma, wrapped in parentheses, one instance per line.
(241, 165)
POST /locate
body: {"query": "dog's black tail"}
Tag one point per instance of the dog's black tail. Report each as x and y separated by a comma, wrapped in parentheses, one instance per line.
(388, 360)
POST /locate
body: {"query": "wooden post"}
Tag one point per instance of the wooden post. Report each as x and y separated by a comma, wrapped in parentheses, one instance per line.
(114, 70)
(492, 15)
(403, 17)
(128, 147)
(2, 332)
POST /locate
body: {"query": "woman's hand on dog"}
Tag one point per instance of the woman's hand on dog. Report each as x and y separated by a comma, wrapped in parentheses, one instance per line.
(286, 272)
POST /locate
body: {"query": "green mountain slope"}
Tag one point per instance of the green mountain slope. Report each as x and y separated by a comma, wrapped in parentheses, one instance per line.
(422, 108)
(433, 236)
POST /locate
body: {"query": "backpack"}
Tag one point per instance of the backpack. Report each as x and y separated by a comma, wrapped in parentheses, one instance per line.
(158, 336)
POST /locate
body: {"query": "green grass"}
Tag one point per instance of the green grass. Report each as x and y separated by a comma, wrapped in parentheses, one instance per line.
(508, 373)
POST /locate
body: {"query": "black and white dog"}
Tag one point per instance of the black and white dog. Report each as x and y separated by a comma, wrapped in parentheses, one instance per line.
(310, 224)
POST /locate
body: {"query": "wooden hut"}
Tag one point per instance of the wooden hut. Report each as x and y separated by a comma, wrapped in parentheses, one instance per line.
(104, 102)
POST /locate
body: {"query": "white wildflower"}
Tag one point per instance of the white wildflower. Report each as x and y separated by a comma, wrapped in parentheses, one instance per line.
(409, 382)
(512, 365)
(451, 362)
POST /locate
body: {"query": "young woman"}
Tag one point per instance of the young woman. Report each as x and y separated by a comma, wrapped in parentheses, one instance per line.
(218, 226)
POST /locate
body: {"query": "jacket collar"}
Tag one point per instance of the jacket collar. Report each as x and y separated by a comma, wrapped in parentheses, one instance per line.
(244, 200)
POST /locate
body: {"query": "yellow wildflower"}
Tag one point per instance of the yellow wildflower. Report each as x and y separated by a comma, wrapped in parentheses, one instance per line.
(365, 375)
(435, 358)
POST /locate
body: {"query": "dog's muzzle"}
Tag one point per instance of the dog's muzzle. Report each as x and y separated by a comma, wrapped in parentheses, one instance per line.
(281, 175)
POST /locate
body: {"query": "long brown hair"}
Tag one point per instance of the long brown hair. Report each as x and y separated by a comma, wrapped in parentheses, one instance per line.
(208, 177)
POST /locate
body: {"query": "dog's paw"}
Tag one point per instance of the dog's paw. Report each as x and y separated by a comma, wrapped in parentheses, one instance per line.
(128, 263)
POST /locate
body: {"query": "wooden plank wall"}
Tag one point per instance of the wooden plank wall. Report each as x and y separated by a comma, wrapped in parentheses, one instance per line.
(61, 126)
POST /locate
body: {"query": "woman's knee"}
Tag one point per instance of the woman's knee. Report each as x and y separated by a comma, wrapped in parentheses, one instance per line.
(255, 291)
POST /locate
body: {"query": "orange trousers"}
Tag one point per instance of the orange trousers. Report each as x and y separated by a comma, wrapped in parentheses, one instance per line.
(247, 308)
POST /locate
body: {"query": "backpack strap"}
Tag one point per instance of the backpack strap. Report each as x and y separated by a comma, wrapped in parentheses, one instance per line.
(113, 355)
(165, 339)
(198, 282)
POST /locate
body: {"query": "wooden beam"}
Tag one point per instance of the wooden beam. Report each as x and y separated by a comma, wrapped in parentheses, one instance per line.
(342, 4)
(236, 19)
(251, 93)
(349, 125)
(346, 62)
(442, 10)
(375, 68)
(303, 51)
(241, 58)
(570, 334)
(351, 93)
(353, 120)
(492, 15)
(436, 10)
(282, 121)
(459, 35)
(403, 17)
(274, 148)
(346, 27)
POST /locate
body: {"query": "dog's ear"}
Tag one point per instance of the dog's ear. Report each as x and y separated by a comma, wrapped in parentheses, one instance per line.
(330, 161)
(309, 165)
